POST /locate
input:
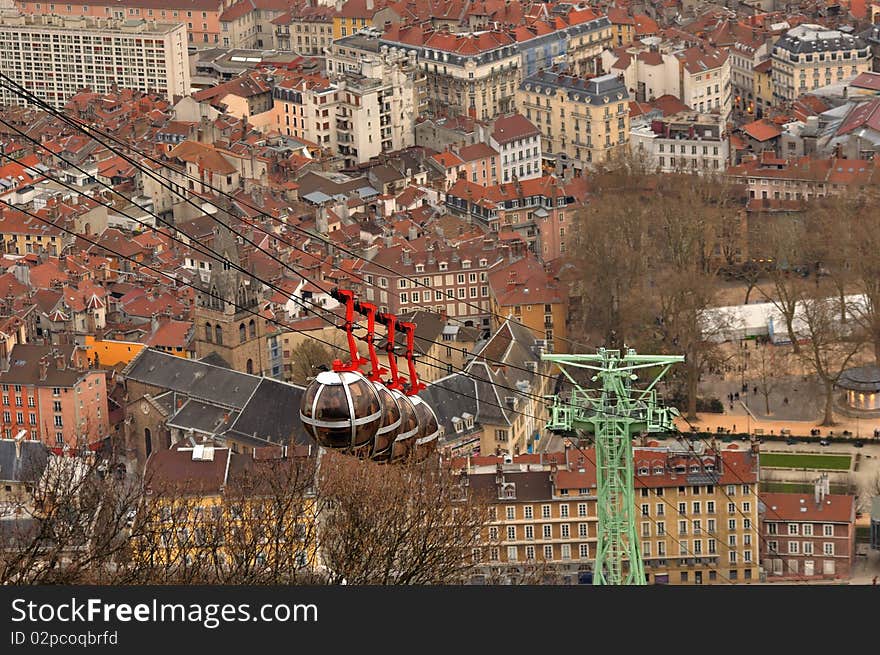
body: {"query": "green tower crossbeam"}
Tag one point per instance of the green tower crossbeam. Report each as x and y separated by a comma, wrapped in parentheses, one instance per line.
(614, 413)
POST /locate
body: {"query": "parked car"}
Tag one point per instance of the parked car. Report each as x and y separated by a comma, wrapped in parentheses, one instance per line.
(791, 441)
(824, 442)
(858, 443)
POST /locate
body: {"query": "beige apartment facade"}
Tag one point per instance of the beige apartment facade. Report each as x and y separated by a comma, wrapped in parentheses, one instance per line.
(583, 122)
(54, 57)
(811, 56)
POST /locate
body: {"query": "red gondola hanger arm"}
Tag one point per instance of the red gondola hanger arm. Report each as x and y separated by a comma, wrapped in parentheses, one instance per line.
(397, 380)
(346, 296)
(376, 371)
(414, 384)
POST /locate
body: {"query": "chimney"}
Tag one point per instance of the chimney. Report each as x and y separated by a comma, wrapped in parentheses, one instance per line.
(59, 361)
(44, 367)
(18, 439)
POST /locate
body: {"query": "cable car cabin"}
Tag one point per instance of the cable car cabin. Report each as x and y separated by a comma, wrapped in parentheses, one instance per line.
(342, 411)
(429, 429)
(391, 420)
(409, 427)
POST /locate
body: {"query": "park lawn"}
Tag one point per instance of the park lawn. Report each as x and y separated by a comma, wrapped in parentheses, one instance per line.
(806, 461)
(798, 487)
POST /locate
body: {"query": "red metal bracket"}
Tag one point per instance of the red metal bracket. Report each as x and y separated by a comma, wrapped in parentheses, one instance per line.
(414, 385)
(347, 296)
(397, 380)
(370, 310)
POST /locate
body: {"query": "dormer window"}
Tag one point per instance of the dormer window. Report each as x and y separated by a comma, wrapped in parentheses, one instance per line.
(465, 263)
(443, 266)
(468, 420)
(420, 268)
(658, 470)
(508, 491)
(483, 263)
(695, 468)
(643, 470)
(458, 423)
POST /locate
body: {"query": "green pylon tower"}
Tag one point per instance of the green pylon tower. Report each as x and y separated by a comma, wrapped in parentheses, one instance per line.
(613, 412)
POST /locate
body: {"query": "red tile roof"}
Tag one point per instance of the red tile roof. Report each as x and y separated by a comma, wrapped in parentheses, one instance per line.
(762, 130)
(835, 508)
(512, 128)
(867, 80)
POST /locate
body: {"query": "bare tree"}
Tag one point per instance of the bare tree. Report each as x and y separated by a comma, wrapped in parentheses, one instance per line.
(410, 523)
(786, 247)
(307, 358)
(772, 366)
(831, 347)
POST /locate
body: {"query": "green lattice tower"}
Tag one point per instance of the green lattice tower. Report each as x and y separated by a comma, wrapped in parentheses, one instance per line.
(614, 412)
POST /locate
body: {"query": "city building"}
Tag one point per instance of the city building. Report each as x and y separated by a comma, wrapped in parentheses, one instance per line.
(477, 73)
(762, 76)
(518, 141)
(686, 141)
(479, 163)
(496, 405)
(526, 292)
(456, 278)
(22, 463)
(811, 56)
(306, 28)
(51, 393)
(533, 211)
(771, 178)
(171, 399)
(808, 536)
(381, 93)
(699, 76)
(697, 512)
(200, 18)
(584, 122)
(54, 57)
(249, 23)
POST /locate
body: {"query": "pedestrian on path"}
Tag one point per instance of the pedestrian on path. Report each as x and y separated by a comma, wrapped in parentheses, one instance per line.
(785, 400)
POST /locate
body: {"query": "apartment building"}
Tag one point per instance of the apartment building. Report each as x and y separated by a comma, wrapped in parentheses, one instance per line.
(518, 142)
(496, 405)
(51, 393)
(584, 122)
(699, 76)
(306, 29)
(771, 178)
(200, 18)
(479, 163)
(763, 87)
(533, 210)
(248, 23)
(454, 279)
(477, 73)
(381, 93)
(697, 512)
(686, 141)
(305, 107)
(808, 536)
(745, 56)
(543, 509)
(528, 293)
(54, 57)
(811, 56)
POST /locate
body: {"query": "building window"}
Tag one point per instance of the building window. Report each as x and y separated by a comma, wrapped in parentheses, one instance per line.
(582, 509)
(828, 548)
(545, 511)
(527, 512)
(547, 531)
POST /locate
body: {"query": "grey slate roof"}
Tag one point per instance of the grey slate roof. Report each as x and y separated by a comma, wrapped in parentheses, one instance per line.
(815, 38)
(273, 414)
(196, 379)
(26, 466)
(202, 417)
(259, 409)
(593, 91)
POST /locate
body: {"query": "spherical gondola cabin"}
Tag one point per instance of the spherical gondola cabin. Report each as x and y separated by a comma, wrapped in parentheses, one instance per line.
(429, 429)
(409, 427)
(391, 420)
(342, 411)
